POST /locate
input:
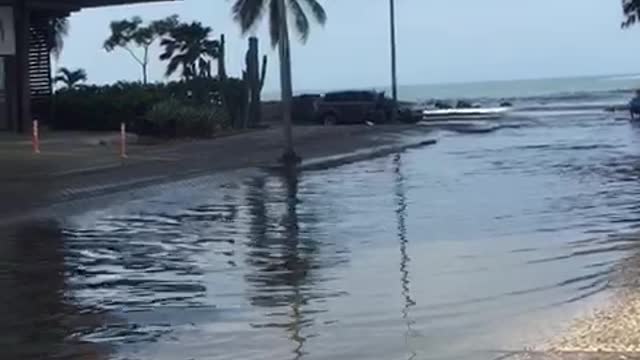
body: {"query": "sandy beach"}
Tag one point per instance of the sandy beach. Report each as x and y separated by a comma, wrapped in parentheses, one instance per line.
(607, 329)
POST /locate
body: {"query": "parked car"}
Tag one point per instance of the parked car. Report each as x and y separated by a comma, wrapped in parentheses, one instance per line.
(352, 107)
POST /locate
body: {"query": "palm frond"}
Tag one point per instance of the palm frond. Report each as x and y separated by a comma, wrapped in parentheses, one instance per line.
(189, 47)
(248, 12)
(70, 77)
(58, 30)
(274, 22)
(631, 11)
(59, 79)
(317, 11)
(301, 20)
(173, 65)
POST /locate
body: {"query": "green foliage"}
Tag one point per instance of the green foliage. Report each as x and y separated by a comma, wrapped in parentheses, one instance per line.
(189, 47)
(70, 78)
(127, 32)
(130, 33)
(175, 118)
(248, 13)
(105, 107)
(234, 99)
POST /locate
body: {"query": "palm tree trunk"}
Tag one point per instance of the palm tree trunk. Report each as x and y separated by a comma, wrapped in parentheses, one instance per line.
(289, 156)
(144, 74)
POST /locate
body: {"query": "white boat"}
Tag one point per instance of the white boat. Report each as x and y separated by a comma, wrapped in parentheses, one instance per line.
(465, 113)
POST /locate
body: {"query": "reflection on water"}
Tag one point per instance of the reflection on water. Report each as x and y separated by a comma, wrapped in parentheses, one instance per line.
(39, 319)
(480, 245)
(280, 262)
(401, 213)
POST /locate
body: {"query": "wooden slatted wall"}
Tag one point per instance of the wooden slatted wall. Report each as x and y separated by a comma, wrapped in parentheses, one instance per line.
(40, 66)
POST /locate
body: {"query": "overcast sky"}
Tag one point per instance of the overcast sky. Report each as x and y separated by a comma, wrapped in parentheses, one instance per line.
(438, 41)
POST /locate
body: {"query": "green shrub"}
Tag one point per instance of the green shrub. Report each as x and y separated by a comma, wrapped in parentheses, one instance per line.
(102, 107)
(105, 107)
(175, 118)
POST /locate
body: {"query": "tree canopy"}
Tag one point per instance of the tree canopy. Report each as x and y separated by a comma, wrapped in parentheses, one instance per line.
(130, 33)
(189, 46)
(249, 12)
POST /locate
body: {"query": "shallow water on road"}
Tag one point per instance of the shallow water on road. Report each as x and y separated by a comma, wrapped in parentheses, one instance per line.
(480, 245)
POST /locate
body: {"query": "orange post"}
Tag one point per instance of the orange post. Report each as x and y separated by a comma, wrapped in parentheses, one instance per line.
(36, 138)
(123, 141)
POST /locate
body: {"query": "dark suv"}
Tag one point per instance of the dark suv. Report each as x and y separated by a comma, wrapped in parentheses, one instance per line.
(352, 107)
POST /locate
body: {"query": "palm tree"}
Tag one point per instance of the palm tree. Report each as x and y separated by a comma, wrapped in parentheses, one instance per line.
(58, 30)
(248, 13)
(70, 78)
(189, 46)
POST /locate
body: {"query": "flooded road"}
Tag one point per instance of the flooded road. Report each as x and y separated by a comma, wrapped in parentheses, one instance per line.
(480, 245)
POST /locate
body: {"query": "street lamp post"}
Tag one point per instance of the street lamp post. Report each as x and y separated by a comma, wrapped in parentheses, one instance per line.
(394, 77)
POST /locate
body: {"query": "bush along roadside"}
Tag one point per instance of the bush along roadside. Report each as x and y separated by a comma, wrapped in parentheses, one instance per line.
(173, 118)
(193, 108)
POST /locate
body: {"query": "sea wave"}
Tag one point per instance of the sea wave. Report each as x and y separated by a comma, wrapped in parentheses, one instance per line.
(622, 77)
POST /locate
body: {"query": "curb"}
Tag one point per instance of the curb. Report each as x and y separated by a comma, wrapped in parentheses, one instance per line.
(311, 165)
(339, 160)
(73, 194)
(357, 156)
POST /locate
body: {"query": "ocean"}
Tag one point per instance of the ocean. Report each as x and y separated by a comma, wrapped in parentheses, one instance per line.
(613, 89)
(609, 87)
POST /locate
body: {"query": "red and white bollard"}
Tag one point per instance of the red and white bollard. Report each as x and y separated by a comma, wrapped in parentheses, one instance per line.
(123, 141)
(35, 139)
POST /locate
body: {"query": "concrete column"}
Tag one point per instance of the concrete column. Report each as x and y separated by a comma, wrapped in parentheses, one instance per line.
(22, 13)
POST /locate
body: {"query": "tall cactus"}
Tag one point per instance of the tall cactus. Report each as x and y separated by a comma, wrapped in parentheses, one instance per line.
(222, 66)
(255, 77)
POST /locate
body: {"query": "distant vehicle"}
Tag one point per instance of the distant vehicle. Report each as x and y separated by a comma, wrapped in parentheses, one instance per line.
(353, 107)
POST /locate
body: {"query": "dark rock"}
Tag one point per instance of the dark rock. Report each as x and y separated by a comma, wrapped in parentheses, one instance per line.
(442, 105)
(463, 104)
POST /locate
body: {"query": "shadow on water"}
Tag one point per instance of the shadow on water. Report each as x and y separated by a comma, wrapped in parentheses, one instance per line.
(38, 318)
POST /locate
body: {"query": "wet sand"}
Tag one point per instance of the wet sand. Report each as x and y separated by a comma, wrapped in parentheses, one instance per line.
(607, 330)
(615, 327)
